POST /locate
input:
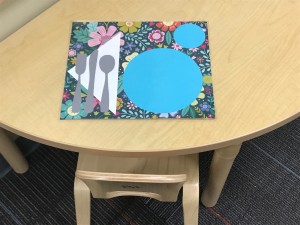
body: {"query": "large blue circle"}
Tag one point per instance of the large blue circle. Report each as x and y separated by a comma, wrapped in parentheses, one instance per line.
(162, 80)
(189, 35)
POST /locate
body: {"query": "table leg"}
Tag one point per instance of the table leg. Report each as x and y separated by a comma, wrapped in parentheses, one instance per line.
(220, 167)
(12, 153)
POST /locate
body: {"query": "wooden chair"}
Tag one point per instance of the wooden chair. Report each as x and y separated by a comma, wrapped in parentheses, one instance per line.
(158, 178)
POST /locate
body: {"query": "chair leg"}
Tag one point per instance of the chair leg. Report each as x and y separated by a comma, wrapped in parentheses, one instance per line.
(190, 199)
(82, 196)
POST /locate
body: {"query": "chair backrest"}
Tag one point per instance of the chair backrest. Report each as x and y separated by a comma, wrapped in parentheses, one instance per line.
(160, 178)
(109, 185)
(138, 178)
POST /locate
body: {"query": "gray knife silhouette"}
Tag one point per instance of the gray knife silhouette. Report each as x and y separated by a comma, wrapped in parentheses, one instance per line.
(89, 106)
(80, 69)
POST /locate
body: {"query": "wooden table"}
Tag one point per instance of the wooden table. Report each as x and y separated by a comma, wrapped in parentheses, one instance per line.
(255, 52)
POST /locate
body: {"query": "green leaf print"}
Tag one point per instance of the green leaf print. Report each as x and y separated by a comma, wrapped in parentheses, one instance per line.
(92, 26)
(82, 35)
(120, 84)
(193, 112)
(168, 38)
(185, 111)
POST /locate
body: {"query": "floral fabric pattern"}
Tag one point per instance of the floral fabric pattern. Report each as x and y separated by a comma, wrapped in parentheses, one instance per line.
(170, 25)
(136, 38)
(102, 36)
(130, 27)
(156, 36)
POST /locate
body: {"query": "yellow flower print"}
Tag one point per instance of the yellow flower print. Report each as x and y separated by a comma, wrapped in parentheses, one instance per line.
(73, 60)
(128, 59)
(154, 116)
(70, 112)
(207, 79)
(195, 102)
(200, 96)
(129, 26)
(119, 103)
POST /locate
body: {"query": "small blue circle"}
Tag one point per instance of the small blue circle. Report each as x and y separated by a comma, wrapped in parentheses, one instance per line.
(162, 80)
(189, 35)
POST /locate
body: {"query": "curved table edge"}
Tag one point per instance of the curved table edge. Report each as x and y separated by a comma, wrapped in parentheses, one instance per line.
(149, 153)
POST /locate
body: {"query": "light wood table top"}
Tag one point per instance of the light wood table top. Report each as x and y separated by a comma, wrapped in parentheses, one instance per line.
(255, 55)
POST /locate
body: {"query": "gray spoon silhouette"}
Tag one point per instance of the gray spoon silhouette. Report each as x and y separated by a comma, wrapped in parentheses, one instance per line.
(79, 68)
(106, 64)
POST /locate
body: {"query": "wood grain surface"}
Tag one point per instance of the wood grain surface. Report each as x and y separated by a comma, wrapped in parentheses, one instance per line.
(255, 52)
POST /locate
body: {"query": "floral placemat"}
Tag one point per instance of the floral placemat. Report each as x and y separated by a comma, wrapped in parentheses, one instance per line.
(127, 42)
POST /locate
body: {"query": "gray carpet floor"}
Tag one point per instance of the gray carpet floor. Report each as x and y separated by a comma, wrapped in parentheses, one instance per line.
(263, 188)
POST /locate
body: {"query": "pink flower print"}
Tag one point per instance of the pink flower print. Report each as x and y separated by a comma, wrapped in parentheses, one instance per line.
(131, 106)
(72, 52)
(66, 95)
(121, 40)
(95, 102)
(156, 36)
(176, 46)
(200, 59)
(203, 46)
(209, 115)
(208, 90)
(194, 49)
(102, 36)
